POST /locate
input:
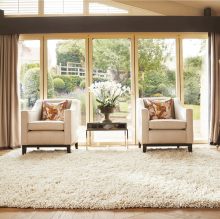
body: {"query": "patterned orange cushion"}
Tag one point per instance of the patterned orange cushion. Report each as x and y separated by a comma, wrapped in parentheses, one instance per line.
(54, 111)
(160, 109)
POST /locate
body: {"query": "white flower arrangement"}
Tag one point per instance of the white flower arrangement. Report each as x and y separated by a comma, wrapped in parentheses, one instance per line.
(108, 92)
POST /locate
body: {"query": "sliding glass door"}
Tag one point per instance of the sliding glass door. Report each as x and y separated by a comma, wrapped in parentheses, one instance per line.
(29, 72)
(156, 67)
(111, 59)
(152, 65)
(195, 76)
(66, 74)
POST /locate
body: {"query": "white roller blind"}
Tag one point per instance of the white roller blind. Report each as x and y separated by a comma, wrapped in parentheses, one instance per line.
(96, 8)
(63, 6)
(19, 7)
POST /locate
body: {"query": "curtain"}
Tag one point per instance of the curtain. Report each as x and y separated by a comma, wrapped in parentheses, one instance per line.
(214, 89)
(9, 102)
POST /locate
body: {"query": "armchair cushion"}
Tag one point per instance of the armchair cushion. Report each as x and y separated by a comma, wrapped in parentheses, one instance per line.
(46, 126)
(167, 124)
(54, 111)
(160, 109)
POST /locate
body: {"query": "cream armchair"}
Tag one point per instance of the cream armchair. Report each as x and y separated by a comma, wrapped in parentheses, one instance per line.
(38, 133)
(165, 132)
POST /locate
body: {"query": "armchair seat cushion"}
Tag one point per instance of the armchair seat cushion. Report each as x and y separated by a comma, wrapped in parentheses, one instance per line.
(46, 125)
(172, 124)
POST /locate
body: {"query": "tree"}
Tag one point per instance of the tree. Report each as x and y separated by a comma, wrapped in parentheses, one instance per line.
(111, 54)
(31, 86)
(152, 56)
(114, 55)
(70, 51)
(192, 76)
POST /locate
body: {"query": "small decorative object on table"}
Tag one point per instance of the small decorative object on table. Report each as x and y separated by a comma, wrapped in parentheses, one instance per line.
(107, 94)
(106, 111)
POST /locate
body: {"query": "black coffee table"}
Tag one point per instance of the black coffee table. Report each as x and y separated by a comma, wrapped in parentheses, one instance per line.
(114, 126)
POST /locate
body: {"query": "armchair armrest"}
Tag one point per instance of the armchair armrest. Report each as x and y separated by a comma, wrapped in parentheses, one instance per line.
(142, 122)
(71, 122)
(29, 116)
(186, 115)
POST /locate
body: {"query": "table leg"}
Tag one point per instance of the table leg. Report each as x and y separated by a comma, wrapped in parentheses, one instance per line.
(90, 137)
(86, 140)
(127, 138)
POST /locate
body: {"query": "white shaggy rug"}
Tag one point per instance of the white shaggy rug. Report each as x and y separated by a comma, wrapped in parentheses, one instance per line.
(109, 179)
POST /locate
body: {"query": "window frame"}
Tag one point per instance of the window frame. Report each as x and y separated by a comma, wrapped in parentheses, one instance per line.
(134, 65)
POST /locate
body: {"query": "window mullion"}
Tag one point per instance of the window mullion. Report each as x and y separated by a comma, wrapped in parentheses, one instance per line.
(178, 85)
(41, 8)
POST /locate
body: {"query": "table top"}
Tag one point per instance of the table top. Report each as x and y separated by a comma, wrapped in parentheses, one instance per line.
(93, 126)
(107, 123)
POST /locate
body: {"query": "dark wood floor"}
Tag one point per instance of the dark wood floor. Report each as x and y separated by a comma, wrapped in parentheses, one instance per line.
(136, 213)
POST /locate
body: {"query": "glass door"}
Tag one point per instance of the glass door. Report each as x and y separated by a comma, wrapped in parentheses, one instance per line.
(195, 77)
(29, 73)
(156, 67)
(111, 60)
(66, 74)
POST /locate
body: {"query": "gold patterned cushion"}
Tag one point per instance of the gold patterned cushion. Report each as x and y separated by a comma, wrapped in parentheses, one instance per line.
(160, 109)
(54, 111)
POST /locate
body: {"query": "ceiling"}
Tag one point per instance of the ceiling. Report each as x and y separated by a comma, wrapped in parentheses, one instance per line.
(176, 8)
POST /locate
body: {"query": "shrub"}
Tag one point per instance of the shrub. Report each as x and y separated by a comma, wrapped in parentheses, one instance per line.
(50, 87)
(162, 88)
(31, 86)
(98, 79)
(79, 94)
(58, 83)
(71, 81)
(25, 67)
(157, 95)
(82, 84)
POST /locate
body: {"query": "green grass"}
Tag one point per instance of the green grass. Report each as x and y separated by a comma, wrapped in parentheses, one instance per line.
(120, 114)
(196, 110)
(123, 106)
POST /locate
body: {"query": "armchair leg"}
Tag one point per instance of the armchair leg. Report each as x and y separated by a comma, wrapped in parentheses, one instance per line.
(76, 145)
(23, 150)
(68, 148)
(190, 148)
(144, 148)
(139, 144)
(178, 146)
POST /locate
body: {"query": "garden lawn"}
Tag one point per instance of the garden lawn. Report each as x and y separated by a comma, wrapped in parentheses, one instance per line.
(196, 110)
(120, 114)
(123, 106)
